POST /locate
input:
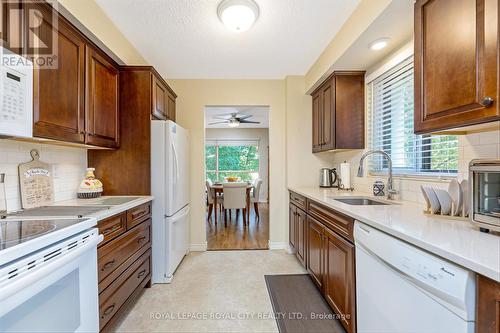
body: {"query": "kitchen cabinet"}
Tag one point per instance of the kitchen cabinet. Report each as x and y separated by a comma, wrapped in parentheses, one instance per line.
(127, 170)
(297, 225)
(163, 100)
(315, 250)
(339, 277)
(77, 101)
(456, 64)
(488, 305)
(12, 25)
(329, 254)
(123, 261)
(58, 105)
(102, 106)
(338, 112)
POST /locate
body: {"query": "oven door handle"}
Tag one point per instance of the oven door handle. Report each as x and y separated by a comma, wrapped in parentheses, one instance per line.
(36, 275)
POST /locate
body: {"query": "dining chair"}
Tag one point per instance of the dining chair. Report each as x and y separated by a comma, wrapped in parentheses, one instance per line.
(255, 197)
(210, 199)
(235, 197)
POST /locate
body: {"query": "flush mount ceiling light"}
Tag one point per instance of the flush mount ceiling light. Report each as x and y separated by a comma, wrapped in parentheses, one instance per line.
(238, 15)
(379, 44)
(233, 123)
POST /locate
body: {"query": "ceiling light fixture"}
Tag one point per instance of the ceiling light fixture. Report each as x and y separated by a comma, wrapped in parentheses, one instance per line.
(238, 15)
(233, 123)
(379, 44)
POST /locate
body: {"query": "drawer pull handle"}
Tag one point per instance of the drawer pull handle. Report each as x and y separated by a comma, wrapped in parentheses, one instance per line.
(141, 273)
(108, 265)
(139, 214)
(487, 102)
(108, 310)
(110, 229)
(140, 240)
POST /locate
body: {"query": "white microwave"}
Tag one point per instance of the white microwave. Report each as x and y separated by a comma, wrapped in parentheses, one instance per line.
(16, 95)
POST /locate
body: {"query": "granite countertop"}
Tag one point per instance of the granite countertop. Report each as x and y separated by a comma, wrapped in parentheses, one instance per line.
(111, 205)
(455, 240)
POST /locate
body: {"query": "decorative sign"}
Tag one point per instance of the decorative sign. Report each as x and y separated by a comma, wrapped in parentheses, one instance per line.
(37, 185)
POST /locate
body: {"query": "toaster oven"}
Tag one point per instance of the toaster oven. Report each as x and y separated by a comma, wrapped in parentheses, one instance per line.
(484, 177)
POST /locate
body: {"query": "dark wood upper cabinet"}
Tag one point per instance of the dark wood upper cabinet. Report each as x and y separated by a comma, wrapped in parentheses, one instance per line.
(12, 25)
(163, 100)
(339, 276)
(338, 113)
(456, 63)
(102, 101)
(58, 105)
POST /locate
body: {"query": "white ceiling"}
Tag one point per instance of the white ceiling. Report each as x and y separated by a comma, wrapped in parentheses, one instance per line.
(184, 39)
(258, 113)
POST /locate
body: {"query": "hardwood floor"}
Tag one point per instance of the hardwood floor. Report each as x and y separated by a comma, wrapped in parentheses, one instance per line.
(254, 236)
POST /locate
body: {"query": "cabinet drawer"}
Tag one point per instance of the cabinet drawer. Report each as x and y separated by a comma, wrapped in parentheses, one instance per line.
(113, 297)
(112, 227)
(298, 200)
(336, 221)
(117, 251)
(138, 214)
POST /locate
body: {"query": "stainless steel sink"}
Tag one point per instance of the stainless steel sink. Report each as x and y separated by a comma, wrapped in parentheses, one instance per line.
(362, 201)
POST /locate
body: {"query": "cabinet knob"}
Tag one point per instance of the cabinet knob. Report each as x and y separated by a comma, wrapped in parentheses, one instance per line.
(487, 102)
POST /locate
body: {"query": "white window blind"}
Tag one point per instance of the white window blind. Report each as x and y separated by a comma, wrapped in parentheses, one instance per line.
(390, 106)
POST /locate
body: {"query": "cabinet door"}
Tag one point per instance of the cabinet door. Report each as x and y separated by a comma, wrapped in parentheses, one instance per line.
(12, 25)
(160, 100)
(58, 97)
(456, 63)
(350, 111)
(102, 105)
(339, 278)
(300, 223)
(315, 251)
(328, 115)
(488, 305)
(316, 122)
(292, 213)
(171, 107)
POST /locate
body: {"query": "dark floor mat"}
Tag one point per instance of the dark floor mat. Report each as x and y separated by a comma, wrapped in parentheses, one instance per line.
(299, 306)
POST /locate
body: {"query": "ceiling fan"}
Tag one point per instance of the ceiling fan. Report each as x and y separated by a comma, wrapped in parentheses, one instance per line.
(233, 119)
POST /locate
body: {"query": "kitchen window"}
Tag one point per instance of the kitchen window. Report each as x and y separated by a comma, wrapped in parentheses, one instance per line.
(232, 158)
(390, 107)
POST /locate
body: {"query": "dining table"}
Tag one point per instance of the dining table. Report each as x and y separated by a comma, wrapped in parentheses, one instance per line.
(219, 188)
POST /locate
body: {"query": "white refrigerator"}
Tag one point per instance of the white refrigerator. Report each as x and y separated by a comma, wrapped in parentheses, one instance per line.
(170, 188)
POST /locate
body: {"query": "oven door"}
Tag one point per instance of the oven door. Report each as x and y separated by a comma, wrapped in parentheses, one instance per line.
(486, 194)
(53, 290)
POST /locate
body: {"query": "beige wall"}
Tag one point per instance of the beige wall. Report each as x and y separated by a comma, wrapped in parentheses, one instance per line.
(194, 95)
(94, 19)
(362, 17)
(261, 134)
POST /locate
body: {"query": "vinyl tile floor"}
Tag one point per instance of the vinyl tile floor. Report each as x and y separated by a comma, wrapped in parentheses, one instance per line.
(215, 291)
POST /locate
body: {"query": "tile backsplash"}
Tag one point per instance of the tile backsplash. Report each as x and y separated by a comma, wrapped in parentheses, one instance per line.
(68, 168)
(471, 146)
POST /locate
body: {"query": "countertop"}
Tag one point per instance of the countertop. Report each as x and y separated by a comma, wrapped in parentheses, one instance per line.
(455, 240)
(108, 210)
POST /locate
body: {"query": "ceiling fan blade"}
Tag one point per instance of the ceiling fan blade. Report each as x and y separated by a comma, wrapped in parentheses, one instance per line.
(218, 122)
(222, 117)
(245, 117)
(249, 122)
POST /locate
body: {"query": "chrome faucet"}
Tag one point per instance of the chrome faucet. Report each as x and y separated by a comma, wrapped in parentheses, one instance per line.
(390, 187)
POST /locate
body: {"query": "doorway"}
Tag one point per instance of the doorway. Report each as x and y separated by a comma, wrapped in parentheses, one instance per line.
(237, 177)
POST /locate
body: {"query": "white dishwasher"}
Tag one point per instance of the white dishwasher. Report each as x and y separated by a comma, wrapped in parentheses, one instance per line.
(403, 289)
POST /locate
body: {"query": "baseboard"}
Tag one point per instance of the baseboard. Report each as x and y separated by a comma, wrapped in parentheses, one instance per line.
(279, 246)
(198, 247)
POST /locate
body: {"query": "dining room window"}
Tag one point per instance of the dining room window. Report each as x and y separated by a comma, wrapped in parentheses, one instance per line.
(232, 158)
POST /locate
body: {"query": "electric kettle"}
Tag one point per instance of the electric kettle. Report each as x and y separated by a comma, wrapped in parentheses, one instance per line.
(327, 177)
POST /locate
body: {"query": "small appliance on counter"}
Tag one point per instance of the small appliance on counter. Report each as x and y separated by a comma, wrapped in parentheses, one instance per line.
(328, 177)
(484, 182)
(90, 187)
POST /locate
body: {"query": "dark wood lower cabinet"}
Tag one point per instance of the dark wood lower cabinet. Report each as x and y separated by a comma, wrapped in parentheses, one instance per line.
(124, 261)
(488, 305)
(326, 237)
(339, 278)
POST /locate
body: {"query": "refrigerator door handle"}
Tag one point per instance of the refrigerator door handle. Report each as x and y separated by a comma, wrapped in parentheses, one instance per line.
(176, 164)
(177, 218)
